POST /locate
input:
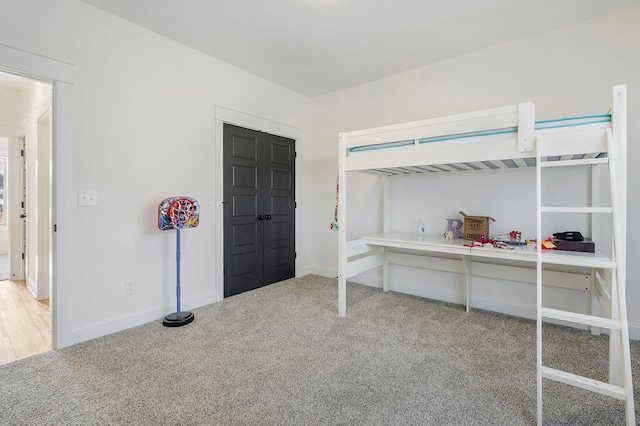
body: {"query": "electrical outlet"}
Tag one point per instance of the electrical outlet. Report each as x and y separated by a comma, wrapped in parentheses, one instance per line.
(87, 198)
(130, 287)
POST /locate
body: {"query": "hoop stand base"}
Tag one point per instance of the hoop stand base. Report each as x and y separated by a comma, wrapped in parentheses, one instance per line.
(175, 320)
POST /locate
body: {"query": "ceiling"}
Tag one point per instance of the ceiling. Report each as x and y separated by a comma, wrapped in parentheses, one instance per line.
(315, 47)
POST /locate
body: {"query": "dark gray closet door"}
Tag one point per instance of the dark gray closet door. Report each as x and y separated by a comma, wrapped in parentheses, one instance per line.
(259, 209)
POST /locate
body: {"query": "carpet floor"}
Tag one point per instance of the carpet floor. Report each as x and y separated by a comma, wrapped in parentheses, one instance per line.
(281, 356)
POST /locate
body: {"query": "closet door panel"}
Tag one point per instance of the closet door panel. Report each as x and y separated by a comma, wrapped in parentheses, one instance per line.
(244, 199)
(279, 238)
(259, 209)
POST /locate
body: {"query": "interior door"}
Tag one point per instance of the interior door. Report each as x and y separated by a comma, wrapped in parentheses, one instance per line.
(279, 208)
(19, 237)
(259, 209)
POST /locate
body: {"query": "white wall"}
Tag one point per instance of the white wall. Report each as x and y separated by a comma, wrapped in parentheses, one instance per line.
(143, 129)
(4, 233)
(566, 72)
(11, 111)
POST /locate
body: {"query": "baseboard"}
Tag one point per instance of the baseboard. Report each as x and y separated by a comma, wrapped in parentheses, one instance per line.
(318, 270)
(32, 287)
(634, 331)
(143, 316)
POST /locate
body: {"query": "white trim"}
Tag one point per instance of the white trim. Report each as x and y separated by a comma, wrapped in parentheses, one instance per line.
(32, 287)
(249, 121)
(318, 270)
(32, 65)
(61, 74)
(143, 316)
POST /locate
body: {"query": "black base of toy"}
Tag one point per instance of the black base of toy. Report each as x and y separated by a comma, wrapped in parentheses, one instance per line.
(175, 320)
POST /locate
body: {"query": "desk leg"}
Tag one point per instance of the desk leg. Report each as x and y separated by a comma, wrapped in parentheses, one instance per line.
(385, 271)
(595, 303)
(468, 273)
(342, 296)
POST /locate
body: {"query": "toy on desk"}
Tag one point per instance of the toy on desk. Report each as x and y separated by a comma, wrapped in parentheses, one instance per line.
(480, 242)
(454, 226)
(449, 235)
(515, 235)
(548, 244)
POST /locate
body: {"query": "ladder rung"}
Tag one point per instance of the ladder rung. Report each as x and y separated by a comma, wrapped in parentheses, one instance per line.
(581, 162)
(581, 319)
(576, 209)
(584, 383)
(587, 260)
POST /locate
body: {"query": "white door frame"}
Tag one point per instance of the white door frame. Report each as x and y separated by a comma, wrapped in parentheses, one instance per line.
(61, 76)
(13, 198)
(225, 115)
(43, 220)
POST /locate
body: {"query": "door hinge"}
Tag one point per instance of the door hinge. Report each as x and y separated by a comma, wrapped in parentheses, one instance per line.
(55, 228)
(295, 154)
(295, 205)
(22, 153)
(22, 204)
(22, 256)
(295, 255)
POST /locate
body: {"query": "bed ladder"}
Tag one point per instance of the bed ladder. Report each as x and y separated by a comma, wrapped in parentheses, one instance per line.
(620, 384)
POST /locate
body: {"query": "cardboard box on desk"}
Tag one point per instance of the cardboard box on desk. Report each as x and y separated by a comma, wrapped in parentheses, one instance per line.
(586, 245)
(476, 226)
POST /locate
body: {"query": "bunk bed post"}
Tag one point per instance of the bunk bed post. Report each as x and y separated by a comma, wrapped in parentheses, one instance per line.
(385, 229)
(526, 127)
(342, 232)
(619, 130)
(617, 152)
(538, 283)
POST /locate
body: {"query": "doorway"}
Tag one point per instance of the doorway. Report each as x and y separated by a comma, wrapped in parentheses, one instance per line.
(26, 106)
(258, 209)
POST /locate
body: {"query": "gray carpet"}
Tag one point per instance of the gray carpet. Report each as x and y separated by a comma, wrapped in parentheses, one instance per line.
(280, 356)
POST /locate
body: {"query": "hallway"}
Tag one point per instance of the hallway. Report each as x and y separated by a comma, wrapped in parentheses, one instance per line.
(25, 323)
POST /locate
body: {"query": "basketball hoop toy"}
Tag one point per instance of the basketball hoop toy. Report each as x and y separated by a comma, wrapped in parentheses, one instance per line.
(178, 213)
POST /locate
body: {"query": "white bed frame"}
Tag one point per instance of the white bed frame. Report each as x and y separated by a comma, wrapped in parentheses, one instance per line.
(507, 137)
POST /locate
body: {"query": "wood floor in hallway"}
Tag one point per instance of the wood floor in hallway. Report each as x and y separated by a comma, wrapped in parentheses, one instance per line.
(25, 323)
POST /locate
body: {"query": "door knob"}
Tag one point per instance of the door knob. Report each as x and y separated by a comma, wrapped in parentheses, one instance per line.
(260, 217)
(268, 217)
(22, 216)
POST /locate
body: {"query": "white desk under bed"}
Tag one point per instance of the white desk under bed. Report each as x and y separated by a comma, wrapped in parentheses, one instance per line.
(466, 252)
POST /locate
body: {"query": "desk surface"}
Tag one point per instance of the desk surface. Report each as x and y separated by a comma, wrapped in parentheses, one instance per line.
(439, 244)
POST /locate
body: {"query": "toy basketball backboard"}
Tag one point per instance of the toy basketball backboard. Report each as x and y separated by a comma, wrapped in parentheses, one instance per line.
(178, 213)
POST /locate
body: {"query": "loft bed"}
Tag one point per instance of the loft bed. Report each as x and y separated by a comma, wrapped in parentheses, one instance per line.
(490, 139)
(503, 138)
